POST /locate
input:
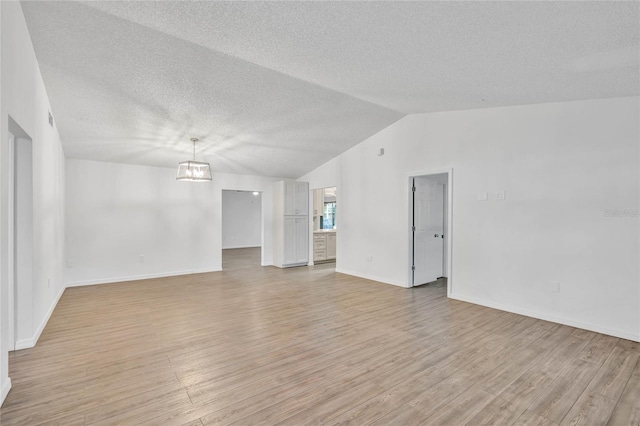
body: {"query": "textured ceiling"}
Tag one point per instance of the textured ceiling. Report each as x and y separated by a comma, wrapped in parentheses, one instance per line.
(278, 88)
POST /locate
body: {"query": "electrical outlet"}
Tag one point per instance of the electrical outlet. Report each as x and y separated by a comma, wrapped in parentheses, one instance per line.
(555, 286)
(141, 258)
(500, 195)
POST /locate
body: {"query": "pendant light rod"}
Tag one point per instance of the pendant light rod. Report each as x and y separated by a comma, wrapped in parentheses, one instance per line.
(194, 140)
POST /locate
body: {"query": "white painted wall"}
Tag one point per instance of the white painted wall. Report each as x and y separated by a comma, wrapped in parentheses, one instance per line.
(562, 165)
(5, 382)
(24, 98)
(241, 219)
(117, 213)
(325, 176)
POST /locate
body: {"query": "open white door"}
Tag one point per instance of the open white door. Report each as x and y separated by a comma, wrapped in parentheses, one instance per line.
(428, 229)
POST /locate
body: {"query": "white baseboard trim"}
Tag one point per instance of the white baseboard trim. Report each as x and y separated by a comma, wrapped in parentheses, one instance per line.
(6, 387)
(547, 317)
(24, 344)
(140, 277)
(291, 265)
(46, 318)
(239, 247)
(31, 342)
(371, 277)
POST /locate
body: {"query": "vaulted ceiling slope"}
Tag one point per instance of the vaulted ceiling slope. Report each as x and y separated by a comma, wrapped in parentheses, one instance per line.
(279, 88)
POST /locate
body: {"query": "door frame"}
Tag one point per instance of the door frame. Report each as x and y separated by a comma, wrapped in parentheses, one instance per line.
(11, 242)
(16, 135)
(262, 227)
(448, 231)
(310, 217)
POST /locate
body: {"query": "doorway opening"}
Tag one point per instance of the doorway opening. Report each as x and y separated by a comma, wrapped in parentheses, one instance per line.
(20, 238)
(323, 240)
(430, 224)
(242, 233)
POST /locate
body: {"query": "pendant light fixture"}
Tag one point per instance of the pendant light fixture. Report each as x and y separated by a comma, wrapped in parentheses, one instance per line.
(193, 170)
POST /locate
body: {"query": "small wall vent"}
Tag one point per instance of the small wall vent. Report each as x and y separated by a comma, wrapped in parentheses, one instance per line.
(50, 119)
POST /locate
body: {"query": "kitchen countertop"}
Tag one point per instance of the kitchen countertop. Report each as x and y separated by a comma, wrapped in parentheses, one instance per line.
(324, 231)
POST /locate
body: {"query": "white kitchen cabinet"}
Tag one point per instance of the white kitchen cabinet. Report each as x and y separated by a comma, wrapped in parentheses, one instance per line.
(319, 247)
(331, 245)
(318, 202)
(324, 246)
(291, 224)
(296, 243)
(296, 198)
(301, 206)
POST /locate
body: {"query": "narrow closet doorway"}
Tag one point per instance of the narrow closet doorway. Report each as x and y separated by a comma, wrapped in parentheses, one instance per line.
(430, 229)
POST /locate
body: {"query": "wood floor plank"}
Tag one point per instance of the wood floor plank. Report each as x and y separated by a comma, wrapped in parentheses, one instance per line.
(356, 383)
(193, 423)
(532, 419)
(509, 406)
(136, 410)
(627, 411)
(560, 354)
(498, 412)
(558, 398)
(262, 345)
(526, 388)
(613, 376)
(598, 349)
(386, 402)
(625, 414)
(590, 409)
(509, 372)
(461, 409)
(629, 345)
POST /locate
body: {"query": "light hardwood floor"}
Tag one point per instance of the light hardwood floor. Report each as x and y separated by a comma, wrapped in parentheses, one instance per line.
(241, 258)
(255, 345)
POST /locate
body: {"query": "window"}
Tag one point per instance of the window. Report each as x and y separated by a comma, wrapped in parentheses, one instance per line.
(329, 216)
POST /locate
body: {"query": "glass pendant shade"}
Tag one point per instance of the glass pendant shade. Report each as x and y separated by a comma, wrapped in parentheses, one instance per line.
(194, 171)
